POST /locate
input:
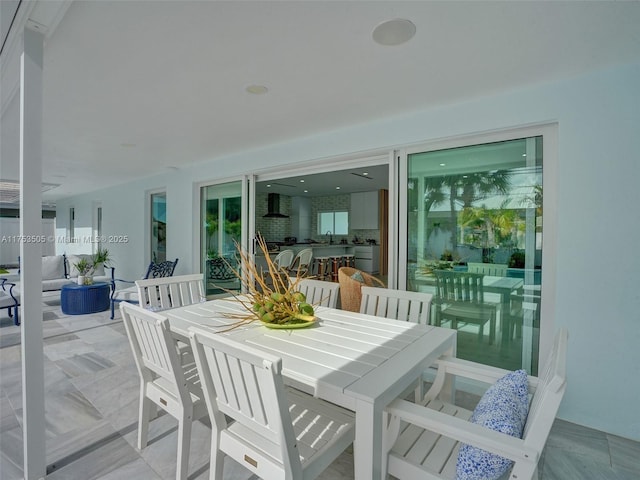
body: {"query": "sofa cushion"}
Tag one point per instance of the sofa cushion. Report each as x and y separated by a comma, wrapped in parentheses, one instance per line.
(55, 284)
(503, 408)
(52, 267)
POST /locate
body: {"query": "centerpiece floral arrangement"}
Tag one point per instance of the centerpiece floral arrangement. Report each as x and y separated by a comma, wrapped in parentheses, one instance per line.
(270, 295)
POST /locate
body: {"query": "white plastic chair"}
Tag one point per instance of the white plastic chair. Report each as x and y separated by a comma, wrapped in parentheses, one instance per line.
(272, 431)
(423, 439)
(171, 292)
(164, 381)
(397, 304)
(319, 292)
(284, 259)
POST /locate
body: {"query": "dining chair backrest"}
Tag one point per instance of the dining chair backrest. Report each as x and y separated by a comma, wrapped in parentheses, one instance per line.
(397, 304)
(454, 286)
(171, 292)
(284, 259)
(491, 269)
(319, 292)
(246, 385)
(153, 347)
(302, 262)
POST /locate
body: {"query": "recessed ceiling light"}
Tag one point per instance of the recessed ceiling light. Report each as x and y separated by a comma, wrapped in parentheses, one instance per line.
(268, 185)
(524, 154)
(442, 164)
(301, 181)
(394, 32)
(365, 173)
(337, 188)
(306, 191)
(257, 89)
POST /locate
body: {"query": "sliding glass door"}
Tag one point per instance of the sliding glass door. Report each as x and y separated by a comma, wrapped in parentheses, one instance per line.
(221, 228)
(474, 240)
(158, 227)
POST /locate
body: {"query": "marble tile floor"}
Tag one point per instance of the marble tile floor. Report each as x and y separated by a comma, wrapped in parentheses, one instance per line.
(91, 410)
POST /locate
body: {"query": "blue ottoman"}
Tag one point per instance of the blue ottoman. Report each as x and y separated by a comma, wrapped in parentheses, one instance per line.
(83, 299)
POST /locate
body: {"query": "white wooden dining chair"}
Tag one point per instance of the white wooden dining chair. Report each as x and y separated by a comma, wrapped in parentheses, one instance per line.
(460, 298)
(397, 304)
(272, 431)
(424, 440)
(492, 269)
(319, 292)
(165, 382)
(170, 292)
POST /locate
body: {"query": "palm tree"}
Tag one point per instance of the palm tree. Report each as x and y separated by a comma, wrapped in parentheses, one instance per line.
(465, 188)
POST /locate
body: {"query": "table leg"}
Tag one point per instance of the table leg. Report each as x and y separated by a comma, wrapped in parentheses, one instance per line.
(368, 466)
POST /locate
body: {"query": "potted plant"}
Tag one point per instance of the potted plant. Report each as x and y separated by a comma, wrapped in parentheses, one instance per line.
(84, 267)
(87, 267)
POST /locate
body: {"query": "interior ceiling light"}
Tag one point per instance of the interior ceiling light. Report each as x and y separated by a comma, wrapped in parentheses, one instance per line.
(257, 89)
(394, 32)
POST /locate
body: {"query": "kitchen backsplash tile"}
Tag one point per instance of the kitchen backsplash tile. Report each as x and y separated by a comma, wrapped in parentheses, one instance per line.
(276, 229)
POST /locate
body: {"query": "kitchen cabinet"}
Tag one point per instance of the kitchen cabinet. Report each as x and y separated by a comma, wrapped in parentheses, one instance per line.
(367, 258)
(364, 211)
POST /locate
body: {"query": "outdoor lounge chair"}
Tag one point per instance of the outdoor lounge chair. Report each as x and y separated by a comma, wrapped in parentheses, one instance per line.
(130, 294)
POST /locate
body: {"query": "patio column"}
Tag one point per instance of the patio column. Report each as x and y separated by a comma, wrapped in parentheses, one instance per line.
(34, 443)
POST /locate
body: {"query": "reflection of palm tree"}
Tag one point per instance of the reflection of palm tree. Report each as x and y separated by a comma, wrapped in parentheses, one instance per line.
(468, 189)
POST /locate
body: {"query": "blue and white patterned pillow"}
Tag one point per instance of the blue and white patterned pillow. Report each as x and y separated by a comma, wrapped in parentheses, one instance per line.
(503, 408)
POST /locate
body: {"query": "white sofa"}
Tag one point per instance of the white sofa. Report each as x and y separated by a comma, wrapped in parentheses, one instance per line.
(59, 270)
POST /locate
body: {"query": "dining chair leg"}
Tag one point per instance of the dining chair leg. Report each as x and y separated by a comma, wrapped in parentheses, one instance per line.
(146, 410)
(184, 442)
(216, 463)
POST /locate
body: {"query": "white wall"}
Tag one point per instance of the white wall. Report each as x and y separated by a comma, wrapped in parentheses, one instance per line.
(598, 170)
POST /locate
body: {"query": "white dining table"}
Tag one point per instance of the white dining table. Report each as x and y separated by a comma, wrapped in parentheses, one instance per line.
(357, 361)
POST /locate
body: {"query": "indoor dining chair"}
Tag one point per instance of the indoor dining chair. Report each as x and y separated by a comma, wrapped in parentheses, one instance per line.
(301, 265)
(284, 259)
(273, 431)
(165, 381)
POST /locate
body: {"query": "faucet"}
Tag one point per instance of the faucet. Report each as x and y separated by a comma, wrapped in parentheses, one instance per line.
(330, 237)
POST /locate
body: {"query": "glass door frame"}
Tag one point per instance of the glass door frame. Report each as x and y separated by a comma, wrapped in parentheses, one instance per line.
(247, 220)
(549, 132)
(345, 162)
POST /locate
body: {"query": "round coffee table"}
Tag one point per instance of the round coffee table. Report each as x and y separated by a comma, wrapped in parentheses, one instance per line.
(83, 299)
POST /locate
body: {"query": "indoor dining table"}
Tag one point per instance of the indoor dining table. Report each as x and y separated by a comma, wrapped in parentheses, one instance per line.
(360, 362)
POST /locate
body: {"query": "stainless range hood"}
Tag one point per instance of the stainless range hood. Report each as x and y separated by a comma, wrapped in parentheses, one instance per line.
(273, 207)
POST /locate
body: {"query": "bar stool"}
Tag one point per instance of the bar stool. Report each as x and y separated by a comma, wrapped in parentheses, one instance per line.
(336, 263)
(348, 260)
(321, 267)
